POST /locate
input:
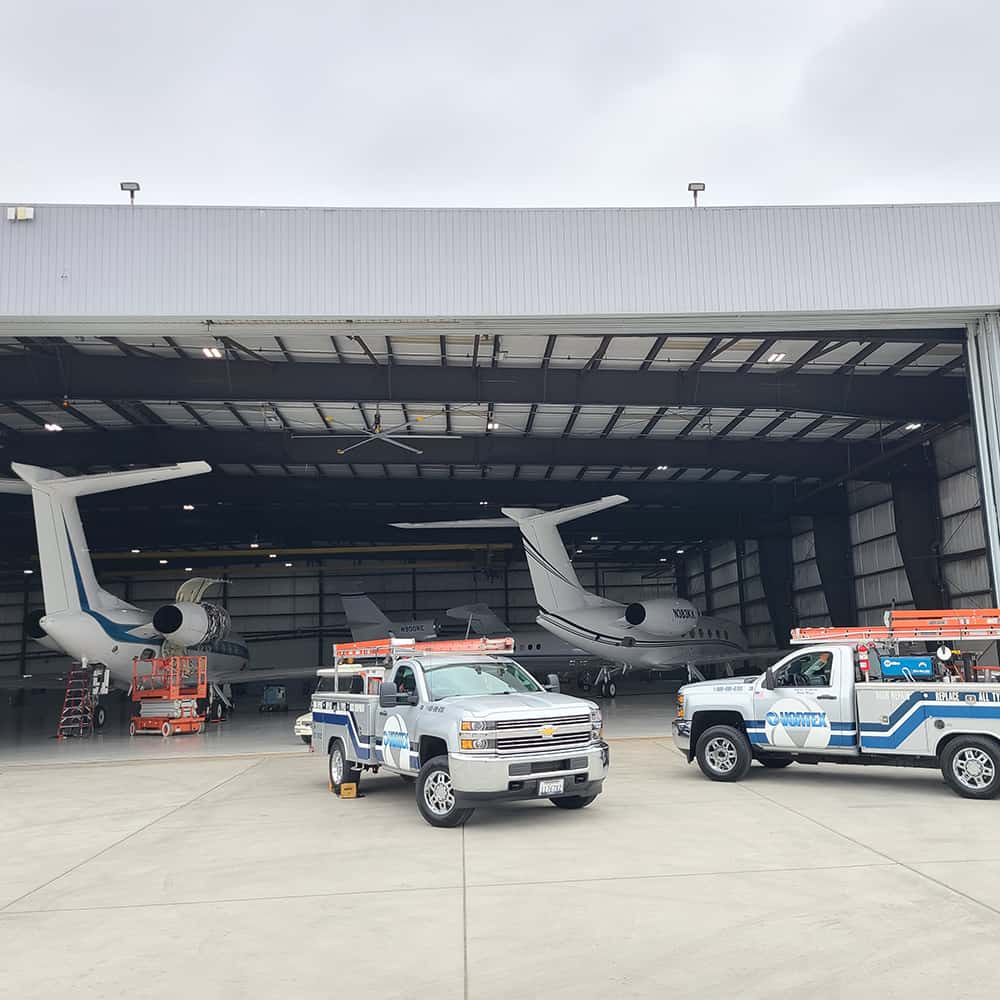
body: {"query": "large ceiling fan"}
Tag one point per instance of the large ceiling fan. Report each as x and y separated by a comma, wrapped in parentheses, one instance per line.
(394, 435)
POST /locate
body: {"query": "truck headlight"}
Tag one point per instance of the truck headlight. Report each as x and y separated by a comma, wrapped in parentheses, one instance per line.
(476, 725)
(596, 724)
(479, 743)
(680, 706)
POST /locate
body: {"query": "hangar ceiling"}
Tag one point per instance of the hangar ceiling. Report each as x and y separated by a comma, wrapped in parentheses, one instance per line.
(709, 435)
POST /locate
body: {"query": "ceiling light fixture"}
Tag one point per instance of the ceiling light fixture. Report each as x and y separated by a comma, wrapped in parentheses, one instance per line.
(187, 569)
(272, 555)
(662, 468)
(663, 558)
(212, 352)
(914, 425)
(594, 538)
(28, 572)
(255, 545)
(775, 358)
(53, 427)
(492, 425)
(680, 552)
(288, 565)
(135, 552)
(163, 562)
(189, 506)
(484, 503)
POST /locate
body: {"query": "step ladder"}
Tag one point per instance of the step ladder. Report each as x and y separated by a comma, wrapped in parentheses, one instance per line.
(77, 715)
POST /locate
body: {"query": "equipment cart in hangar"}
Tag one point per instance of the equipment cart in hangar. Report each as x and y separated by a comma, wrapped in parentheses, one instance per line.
(166, 692)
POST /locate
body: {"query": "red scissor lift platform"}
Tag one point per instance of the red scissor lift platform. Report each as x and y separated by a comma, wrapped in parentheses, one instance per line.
(166, 691)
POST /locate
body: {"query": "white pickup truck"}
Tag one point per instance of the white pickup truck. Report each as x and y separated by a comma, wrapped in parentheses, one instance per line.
(823, 704)
(462, 720)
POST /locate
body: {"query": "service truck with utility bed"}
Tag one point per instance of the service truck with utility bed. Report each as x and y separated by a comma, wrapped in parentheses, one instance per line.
(858, 696)
(462, 720)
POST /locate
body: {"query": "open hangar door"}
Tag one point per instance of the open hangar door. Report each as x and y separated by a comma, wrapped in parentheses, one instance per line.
(793, 477)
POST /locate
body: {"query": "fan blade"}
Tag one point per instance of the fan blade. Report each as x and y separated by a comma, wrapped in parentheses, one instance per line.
(431, 437)
(405, 447)
(344, 451)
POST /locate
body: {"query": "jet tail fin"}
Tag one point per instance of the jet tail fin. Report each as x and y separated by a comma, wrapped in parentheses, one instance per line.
(552, 575)
(365, 618)
(68, 579)
(481, 617)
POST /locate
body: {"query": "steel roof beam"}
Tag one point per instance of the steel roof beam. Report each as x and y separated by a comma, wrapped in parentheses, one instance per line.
(82, 376)
(153, 445)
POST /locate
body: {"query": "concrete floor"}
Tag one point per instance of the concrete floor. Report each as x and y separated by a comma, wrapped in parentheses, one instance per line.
(227, 869)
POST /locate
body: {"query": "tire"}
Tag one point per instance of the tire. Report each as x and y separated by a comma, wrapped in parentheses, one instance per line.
(100, 716)
(723, 753)
(572, 801)
(166, 729)
(434, 789)
(306, 739)
(131, 728)
(218, 711)
(340, 770)
(612, 689)
(971, 765)
(604, 690)
(774, 760)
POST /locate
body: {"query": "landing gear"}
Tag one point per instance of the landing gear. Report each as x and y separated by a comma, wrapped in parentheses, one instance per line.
(606, 684)
(609, 689)
(100, 715)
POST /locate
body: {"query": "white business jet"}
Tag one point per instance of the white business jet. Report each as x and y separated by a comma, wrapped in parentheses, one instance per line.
(663, 633)
(91, 625)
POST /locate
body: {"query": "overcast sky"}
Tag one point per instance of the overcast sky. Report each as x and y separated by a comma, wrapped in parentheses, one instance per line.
(520, 102)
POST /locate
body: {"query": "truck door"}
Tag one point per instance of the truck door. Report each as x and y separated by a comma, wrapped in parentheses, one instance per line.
(395, 725)
(810, 707)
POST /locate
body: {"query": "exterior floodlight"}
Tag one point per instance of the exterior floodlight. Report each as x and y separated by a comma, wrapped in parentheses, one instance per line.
(53, 427)
(131, 187)
(694, 187)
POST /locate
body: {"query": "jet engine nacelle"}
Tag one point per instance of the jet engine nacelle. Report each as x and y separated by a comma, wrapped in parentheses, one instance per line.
(663, 615)
(33, 626)
(190, 624)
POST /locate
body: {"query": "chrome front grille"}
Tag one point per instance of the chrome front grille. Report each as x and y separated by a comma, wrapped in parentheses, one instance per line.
(559, 720)
(514, 736)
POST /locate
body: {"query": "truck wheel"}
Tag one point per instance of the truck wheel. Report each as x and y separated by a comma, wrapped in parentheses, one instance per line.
(775, 760)
(723, 753)
(341, 772)
(573, 801)
(971, 765)
(436, 795)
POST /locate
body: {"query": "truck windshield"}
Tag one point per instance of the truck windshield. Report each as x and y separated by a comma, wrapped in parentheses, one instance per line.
(451, 680)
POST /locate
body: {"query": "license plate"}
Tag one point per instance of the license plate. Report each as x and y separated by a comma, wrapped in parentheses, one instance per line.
(554, 786)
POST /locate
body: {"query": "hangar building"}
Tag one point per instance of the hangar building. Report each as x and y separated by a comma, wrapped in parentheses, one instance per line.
(801, 404)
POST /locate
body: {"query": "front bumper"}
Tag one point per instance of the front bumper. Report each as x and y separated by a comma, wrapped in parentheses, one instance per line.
(479, 778)
(682, 736)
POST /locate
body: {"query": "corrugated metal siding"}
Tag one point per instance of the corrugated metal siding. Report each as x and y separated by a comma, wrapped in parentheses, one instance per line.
(964, 561)
(113, 261)
(807, 589)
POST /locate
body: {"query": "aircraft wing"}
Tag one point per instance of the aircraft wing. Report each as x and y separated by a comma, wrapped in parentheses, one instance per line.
(484, 620)
(266, 673)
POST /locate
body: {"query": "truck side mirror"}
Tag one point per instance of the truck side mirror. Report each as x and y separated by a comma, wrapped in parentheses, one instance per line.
(408, 699)
(387, 696)
(553, 684)
(769, 679)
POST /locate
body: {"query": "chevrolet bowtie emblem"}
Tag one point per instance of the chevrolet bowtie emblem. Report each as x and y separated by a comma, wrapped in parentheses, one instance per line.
(547, 731)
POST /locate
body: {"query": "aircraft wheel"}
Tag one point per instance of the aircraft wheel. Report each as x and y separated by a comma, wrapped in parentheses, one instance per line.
(612, 689)
(131, 728)
(100, 716)
(604, 690)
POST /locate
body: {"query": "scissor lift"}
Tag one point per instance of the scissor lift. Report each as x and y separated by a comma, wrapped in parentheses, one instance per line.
(166, 691)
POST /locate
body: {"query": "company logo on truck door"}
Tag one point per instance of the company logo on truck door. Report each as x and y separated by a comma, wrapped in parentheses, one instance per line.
(797, 722)
(396, 742)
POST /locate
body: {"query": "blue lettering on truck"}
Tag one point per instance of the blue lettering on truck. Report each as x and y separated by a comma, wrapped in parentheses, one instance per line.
(796, 720)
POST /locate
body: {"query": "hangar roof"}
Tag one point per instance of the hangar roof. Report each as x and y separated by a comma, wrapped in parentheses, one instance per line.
(167, 267)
